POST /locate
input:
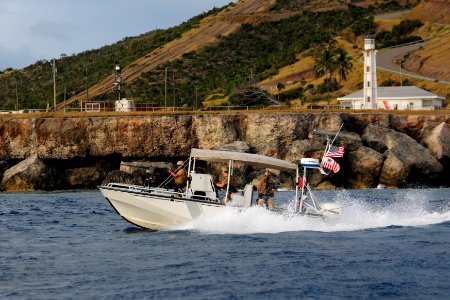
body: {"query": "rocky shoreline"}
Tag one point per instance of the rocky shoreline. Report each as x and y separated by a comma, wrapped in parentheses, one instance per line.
(395, 150)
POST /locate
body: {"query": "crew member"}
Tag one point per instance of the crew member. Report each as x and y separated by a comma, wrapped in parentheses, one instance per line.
(180, 176)
(266, 191)
(224, 184)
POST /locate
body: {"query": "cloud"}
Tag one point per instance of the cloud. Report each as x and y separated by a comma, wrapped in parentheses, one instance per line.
(59, 31)
(13, 58)
(32, 30)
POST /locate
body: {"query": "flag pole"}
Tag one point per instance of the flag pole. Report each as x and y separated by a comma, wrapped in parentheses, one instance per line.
(327, 148)
(336, 134)
(331, 144)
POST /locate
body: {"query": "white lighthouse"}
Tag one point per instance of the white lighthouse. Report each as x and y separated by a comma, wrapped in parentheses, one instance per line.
(370, 74)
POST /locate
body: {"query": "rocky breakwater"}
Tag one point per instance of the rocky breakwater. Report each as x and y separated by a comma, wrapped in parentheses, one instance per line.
(66, 153)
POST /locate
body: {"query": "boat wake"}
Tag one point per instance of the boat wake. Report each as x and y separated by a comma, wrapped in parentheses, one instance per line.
(406, 208)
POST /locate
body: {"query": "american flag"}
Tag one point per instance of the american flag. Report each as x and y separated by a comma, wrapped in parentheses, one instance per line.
(331, 164)
(335, 151)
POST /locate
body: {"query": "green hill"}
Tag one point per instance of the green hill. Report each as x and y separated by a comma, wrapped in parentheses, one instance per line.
(218, 52)
(252, 53)
(35, 82)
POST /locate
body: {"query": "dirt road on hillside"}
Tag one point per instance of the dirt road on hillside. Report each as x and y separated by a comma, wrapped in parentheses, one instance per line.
(386, 60)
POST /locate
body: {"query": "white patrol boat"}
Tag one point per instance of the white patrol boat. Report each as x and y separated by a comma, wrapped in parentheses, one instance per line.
(158, 208)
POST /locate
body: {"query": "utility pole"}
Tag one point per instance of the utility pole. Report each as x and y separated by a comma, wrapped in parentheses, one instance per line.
(401, 74)
(65, 98)
(165, 89)
(173, 90)
(17, 99)
(196, 96)
(54, 85)
(87, 86)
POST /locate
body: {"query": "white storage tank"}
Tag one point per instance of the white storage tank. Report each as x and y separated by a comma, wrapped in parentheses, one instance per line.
(125, 105)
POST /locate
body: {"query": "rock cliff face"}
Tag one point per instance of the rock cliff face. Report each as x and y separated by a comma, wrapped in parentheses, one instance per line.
(395, 150)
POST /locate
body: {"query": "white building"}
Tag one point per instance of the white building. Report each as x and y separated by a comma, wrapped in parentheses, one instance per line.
(395, 97)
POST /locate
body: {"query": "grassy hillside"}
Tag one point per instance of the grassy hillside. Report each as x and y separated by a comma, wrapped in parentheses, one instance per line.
(433, 59)
(215, 55)
(35, 82)
(435, 11)
(254, 52)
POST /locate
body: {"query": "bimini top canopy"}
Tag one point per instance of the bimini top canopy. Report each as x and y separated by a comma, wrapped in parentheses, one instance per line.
(246, 158)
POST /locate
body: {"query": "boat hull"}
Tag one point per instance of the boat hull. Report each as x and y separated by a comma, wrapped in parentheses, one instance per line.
(156, 212)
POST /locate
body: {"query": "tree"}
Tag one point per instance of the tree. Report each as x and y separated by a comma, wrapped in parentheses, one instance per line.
(325, 64)
(364, 26)
(247, 95)
(343, 64)
(280, 86)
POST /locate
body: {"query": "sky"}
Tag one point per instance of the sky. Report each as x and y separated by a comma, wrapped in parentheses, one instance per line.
(31, 30)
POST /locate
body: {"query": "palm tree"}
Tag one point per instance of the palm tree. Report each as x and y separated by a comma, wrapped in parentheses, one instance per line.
(343, 64)
(326, 64)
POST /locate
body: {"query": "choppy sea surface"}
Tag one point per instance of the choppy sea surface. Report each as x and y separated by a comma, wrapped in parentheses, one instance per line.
(72, 245)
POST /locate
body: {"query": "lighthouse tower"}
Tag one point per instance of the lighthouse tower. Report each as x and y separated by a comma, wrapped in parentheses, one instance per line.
(370, 73)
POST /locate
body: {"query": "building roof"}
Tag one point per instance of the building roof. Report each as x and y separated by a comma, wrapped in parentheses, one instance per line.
(395, 92)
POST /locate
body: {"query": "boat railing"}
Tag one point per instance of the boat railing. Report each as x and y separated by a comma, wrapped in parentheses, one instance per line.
(147, 190)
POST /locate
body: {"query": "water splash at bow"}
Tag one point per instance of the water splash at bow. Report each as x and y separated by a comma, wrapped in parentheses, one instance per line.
(363, 210)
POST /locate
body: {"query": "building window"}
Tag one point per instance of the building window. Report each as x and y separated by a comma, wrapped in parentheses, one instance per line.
(368, 69)
(368, 99)
(427, 103)
(368, 83)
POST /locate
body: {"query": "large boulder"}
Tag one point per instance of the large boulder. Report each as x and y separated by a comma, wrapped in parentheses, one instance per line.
(313, 148)
(30, 174)
(273, 134)
(411, 125)
(416, 126)
(365, 165)
(407, 160)
(438, 142)
(375, 137)
(84, 178)
(350, 140)
(394, 172)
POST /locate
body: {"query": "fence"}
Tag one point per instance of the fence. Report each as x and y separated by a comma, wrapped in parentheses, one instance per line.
(99, 108)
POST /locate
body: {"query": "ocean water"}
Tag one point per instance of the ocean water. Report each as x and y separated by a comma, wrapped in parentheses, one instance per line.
(72, 245)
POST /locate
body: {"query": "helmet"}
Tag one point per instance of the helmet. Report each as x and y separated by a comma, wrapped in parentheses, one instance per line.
(180, 163)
